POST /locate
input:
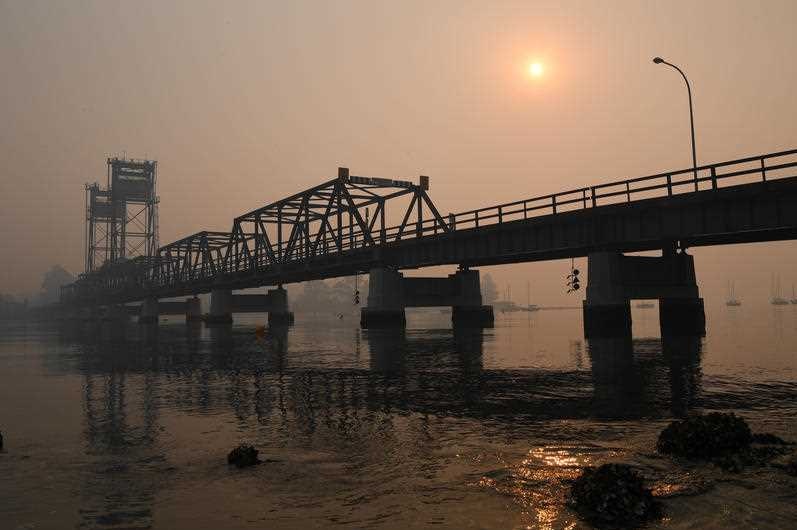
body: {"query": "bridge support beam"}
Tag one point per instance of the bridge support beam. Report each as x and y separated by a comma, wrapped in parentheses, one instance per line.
(389, 293)
(149, 311)
(615, 280)
(220, 307)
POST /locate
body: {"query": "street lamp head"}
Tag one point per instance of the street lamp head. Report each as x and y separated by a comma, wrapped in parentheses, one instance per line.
(658, 60)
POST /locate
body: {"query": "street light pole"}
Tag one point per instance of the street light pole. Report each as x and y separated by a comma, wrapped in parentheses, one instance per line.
(659, 60)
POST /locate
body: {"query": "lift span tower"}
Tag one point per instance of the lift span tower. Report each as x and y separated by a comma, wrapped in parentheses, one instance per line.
(122, 218)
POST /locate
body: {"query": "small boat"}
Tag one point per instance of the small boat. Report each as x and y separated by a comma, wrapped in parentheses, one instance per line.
(732, 300)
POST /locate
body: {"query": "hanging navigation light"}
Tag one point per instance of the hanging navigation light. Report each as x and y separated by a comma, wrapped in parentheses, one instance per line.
(573, 283)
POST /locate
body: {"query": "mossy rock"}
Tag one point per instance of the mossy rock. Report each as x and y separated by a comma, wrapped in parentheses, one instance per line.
(706, 437)
(243, 456)
(612, 496)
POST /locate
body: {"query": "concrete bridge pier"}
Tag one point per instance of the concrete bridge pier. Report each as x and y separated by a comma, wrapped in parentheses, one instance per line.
(220, 307)
(389, 293)
(116, 313)
(468, 310)
(385, 306)
(615, 280)
(193, 310)
(279, 314)
(607, 308)
(149, 311)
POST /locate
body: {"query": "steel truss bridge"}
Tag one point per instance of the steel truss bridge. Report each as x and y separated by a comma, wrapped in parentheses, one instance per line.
(343, 226)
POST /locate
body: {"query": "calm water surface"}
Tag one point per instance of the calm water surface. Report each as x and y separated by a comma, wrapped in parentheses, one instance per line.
(366, 429)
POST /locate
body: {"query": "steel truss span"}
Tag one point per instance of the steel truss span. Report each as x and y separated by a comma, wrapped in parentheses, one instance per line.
(350, 223)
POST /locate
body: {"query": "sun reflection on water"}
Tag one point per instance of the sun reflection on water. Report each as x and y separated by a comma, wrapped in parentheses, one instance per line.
(539, 482)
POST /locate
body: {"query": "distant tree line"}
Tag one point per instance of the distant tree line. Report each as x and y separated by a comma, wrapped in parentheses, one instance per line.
(13, 308)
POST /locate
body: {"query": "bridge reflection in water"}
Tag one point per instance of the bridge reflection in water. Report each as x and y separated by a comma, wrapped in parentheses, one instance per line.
(140, 389)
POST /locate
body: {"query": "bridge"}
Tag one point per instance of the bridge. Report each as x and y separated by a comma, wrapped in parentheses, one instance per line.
(356, 224)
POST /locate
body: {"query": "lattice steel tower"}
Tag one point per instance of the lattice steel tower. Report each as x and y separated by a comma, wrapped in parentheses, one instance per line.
(122, 219)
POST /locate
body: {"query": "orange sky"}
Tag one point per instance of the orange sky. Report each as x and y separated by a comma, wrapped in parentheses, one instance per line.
(242, 103)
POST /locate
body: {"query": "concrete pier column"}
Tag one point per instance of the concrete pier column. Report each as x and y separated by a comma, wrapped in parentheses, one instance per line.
(468, 310)
(680, 307)
(615, 279)
(385, 300)
(220, 307)
(193, 309)
(279, 313)
(682, 316)
(149, 311)
(117, 314)
(89, 314)
(607, 308)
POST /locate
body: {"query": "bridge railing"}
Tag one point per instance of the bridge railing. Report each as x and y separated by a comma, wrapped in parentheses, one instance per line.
(761, 168)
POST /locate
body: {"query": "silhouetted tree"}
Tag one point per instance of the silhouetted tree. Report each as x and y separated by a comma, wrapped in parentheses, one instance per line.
(11, 308)
(52, 282)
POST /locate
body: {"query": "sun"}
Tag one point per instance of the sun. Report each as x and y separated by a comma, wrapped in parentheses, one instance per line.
(536, 69)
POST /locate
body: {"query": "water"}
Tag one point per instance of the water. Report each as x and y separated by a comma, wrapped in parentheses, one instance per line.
(367, 429)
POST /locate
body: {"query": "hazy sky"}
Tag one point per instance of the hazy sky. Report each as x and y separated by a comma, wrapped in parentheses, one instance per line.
(245, 102)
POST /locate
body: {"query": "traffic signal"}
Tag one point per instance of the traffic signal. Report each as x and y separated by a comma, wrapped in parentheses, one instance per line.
(573, 283)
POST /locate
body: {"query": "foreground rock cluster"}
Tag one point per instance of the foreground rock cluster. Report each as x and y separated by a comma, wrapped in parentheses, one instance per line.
(615, 496)
(243, 456)
(723, 439)
(612, 496)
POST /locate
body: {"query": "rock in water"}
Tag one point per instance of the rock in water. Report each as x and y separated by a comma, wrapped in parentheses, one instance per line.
(612, 496)
(243, 456)
(706, 437)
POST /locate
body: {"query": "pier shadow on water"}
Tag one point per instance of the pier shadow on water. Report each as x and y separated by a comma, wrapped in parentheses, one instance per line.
(363, 394)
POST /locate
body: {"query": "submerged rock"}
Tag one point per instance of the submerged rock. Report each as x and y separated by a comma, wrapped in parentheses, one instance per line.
(243, 456)
(705, 437)
(612, 496)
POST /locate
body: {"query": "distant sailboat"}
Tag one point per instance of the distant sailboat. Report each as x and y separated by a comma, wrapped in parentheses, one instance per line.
(529, 306)
(732, 300)
(777, 298)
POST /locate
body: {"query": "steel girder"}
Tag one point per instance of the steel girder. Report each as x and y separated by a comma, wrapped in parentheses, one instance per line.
(333, 217)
